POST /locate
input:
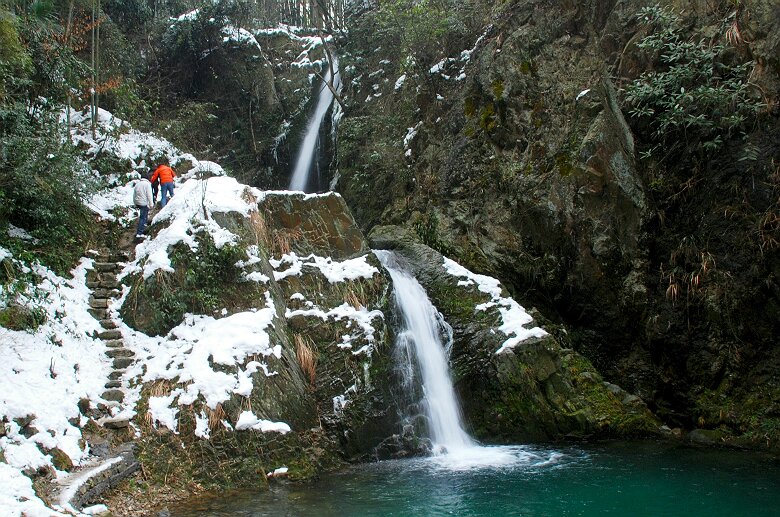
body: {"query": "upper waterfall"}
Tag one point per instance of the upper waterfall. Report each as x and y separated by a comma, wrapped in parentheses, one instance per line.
(300, 178)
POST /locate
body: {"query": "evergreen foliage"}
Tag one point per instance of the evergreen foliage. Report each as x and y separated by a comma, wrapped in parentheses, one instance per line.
(424, 29)
(698, 97)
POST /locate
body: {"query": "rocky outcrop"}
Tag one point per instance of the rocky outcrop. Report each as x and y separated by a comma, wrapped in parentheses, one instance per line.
(534, 390)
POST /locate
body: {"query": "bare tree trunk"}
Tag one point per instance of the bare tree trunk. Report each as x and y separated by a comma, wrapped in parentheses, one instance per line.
(330, 84)
(93, 112)
(68, 28)
(252, 122)
(97, 60)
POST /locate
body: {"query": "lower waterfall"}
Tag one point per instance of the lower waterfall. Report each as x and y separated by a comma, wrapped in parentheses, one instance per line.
(422, 337)
(453, 448)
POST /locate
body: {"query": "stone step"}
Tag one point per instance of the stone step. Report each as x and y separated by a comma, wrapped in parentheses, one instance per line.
(115, 353)
(109, 324)
(105, 267)
(102, 292)
(112, 257)
(121, 363)
(100, 314)
(100, 276)
(113, 384)
(115, 343)
(98, 303)
(93, 284)
(115, 395)
(116, 374)
(109, 283)
(89, 484)
(110, 334)
(119, 423)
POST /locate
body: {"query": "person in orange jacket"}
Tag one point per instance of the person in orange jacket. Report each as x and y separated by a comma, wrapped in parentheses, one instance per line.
(165, 174)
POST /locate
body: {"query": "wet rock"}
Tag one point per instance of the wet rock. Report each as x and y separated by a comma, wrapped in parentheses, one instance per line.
(706, 436)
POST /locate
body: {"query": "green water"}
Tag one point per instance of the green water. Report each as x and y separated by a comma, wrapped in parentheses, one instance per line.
(637, 479)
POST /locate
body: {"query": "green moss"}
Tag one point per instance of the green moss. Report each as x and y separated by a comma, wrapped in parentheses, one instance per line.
(563, 164)
(427, 228)
(751, 418)
(527, 67)
(459, 303)
(488, 119)
(498, 89)
(60, 460)
(602, 406)
(470, 107)
(21, 318)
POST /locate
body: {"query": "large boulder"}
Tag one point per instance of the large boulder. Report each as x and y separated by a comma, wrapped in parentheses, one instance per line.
(312, 375)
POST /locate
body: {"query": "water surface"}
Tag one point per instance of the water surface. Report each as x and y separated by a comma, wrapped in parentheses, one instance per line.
(638, 479)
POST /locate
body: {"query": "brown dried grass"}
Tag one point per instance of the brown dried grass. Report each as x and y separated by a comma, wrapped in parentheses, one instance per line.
(306, 357)
(215, 416)
(260, 229)
(283, 241)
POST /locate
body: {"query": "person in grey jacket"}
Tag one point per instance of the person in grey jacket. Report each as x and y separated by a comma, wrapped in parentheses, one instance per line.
(143, 200)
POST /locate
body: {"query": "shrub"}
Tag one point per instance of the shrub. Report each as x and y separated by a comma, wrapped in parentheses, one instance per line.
(20, 298)
(426, 29)
(44, 185)
(202, 283)
(699, 96)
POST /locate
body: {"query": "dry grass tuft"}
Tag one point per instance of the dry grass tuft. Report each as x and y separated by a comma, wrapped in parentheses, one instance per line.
(352, 298)
(353, 293)
(260, 229)
(306, 357)
(215, 416)
(283, 241)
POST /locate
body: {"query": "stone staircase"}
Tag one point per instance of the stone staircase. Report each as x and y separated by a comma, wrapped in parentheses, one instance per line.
(114, 456)
(102, 279)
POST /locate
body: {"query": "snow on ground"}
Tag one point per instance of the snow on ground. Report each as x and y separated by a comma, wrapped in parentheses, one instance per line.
(43, 376)
(188, 212)
(513, 315)
(17, 496)
(192, 352)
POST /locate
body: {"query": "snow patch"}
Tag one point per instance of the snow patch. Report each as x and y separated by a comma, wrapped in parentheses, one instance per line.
(513, 316)
(248, 421)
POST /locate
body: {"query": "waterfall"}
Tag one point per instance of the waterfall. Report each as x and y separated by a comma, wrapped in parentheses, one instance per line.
(300, 178)
(421, 333)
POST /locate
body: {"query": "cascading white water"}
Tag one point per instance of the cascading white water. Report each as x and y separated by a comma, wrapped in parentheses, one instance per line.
(421, 332)
(308, 150)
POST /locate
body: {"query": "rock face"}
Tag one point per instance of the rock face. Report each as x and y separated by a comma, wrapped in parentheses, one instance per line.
(511, 149)
(535, 390)
(329, 380)
(244, 95)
